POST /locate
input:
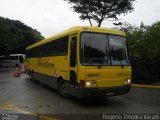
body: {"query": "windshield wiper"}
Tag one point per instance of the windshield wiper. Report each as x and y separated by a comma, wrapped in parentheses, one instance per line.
(121, 64)
(100, 65)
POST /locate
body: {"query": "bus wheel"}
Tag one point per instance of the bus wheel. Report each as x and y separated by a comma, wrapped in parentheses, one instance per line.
(63, 89)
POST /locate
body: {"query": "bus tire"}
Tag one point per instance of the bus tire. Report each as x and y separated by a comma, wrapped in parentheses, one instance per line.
(63, 89)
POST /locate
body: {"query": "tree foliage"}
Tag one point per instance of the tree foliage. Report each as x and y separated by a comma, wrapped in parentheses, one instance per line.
(144, 48)
(16, 36)
(99, 10)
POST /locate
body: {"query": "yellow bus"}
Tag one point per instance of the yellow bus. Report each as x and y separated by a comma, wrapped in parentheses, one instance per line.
(85, 62)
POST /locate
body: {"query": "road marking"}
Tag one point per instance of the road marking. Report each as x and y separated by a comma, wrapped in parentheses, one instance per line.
(145, 86)
(9, 106)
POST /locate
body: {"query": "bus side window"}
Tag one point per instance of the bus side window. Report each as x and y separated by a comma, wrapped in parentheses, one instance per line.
(73, 52)
(21, 59)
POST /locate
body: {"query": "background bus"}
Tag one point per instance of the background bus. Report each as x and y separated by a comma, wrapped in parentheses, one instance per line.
(82, 62)
(12, 59)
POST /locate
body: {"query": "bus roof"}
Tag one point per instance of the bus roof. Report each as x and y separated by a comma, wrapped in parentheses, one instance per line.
(78, 29)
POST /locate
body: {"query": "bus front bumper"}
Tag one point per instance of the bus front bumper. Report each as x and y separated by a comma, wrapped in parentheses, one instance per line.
(98, 92)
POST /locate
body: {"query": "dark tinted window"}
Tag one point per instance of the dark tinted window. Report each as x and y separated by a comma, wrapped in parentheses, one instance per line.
(103, 49)
(118, 50)
(16, 58)
(62, 45)
(7, 58)
(12, 57)
(56, 47)
(94, 49)
(21, 60)
(53, 48)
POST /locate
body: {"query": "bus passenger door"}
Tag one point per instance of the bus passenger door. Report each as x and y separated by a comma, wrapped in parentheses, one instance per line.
(73, 60)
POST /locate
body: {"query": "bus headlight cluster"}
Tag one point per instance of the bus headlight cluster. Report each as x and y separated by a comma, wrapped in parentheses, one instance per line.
(90, 84)
(127, 81)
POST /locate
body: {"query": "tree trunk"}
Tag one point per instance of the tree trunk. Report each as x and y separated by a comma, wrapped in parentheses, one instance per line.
(90, 21)
(99, 23)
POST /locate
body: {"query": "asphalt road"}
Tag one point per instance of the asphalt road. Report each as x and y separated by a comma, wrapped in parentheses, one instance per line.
(20, 98)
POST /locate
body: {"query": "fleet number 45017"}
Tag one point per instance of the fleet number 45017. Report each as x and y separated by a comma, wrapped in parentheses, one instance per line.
(93, 74)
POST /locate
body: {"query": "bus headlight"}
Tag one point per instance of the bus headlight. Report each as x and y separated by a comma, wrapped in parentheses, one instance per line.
(90, 84)
(127, 81)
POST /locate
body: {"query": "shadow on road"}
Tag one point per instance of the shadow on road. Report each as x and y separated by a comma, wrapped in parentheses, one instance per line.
(96, 102)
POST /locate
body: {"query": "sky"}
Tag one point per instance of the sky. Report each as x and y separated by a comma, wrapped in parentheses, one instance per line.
(53, 16)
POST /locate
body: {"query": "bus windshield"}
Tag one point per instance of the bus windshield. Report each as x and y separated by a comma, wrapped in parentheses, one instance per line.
(103, 49)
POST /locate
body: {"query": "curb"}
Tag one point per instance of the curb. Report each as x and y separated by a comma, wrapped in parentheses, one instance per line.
(146, 86)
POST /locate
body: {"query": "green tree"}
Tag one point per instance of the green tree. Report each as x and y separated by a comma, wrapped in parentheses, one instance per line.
(15, 36)
(144, 48)
(100, 10)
